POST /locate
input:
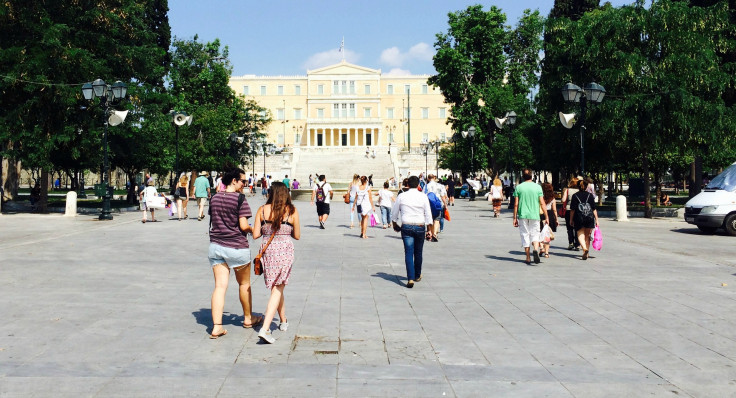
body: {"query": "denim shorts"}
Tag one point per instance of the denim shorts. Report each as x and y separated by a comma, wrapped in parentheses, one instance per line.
(231, 257)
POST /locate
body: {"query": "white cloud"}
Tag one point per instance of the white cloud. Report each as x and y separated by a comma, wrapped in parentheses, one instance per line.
(329, 57)
(394, 57)
(421, 52)
(398, 72)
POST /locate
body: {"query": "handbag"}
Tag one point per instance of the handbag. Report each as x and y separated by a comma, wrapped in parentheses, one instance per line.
(257, 266)
(447, 214)
(346, 197)
(155, 202)
(563, 210)
(597, 238)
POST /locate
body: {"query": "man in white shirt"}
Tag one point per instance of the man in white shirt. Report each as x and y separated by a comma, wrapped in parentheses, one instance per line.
(322, 192)
(412, 207)
(441, 193)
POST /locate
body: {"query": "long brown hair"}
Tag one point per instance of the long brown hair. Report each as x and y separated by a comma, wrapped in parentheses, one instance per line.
(548, 191)
(280, 202)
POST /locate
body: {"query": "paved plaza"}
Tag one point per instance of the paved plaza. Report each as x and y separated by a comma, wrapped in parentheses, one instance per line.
(122, 309)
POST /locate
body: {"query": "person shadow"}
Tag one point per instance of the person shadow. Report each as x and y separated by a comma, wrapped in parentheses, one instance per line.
(203, 316)
(389, 277)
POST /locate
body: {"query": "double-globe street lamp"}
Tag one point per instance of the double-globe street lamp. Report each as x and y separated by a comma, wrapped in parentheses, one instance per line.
(108, 95)
(470, 133)
(510, 120)
(592, 92)
(179, 119)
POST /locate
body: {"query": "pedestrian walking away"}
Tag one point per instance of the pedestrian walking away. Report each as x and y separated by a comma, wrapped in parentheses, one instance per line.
(412, 208)
(202, 189)
(550, 205)
(385, 203)
(277, 222)
(437, 196)
(182, 190)
(229, 214)
(572, 188)
(321, 196)
(147, 193)
(352, 190)
(364, 205)
(583, 215)
(495, 196)
(528, 204)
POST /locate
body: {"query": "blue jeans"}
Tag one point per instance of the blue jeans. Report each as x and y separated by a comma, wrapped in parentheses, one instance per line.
(413, 237)
(386, 215)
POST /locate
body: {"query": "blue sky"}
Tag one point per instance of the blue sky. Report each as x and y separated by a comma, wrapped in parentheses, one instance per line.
(277, 37)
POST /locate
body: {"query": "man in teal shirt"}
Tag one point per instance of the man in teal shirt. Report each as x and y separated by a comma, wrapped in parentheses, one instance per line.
(528, 205)
(201, 192)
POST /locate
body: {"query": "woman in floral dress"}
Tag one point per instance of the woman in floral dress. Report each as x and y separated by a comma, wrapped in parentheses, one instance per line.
(280, 219)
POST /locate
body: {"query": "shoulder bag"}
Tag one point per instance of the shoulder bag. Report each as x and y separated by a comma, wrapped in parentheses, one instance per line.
(257, 266)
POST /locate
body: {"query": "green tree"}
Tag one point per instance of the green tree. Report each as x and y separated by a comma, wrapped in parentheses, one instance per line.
(48, 48)
(485, 69)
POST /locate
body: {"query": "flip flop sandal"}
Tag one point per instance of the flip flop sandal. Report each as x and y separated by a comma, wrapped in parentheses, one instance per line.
(215, 336)
(258, 321)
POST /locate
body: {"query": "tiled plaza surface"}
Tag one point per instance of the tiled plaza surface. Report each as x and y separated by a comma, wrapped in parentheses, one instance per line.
(108, 309)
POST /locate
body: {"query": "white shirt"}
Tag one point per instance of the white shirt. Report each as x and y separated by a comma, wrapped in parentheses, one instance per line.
(413, 206)
(327, 189)
(437, 188)
(384, 198)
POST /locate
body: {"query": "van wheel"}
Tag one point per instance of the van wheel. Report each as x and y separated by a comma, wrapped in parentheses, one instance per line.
(707, 230)
(730, 224)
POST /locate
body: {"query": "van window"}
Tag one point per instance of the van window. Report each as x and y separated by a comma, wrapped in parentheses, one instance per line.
(725, 180)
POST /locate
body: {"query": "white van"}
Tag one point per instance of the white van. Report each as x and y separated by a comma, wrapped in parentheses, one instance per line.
(715, 206)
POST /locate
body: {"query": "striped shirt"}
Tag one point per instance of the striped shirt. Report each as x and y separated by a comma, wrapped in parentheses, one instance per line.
(225, 217)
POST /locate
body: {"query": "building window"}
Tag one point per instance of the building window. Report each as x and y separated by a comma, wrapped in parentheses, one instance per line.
(297, 90)
(389, 113)
(263, 90)
(407, 88)
(336, 87)
(344, 113)
(443, 136)
(406, 113)
(367, 88)
(297, 139)
(390, 89)
(281, 139)
(280, 90)
(336, 111)
(280, 112)
(263, 114)
(425, 113)
(390, 137)
(320, 89)
(366, 112)
(344, 87)
(320, 113)
(297, 114)
(246, 90)
(352, 87)
(425, 137)
(443, 113)
(424, 89)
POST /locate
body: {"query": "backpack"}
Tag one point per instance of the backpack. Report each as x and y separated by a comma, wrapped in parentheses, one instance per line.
(320, 193)
(586, 214)
(435, 204)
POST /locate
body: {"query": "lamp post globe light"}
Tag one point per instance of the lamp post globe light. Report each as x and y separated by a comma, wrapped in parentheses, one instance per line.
(470, 133)
(108, 96)
(572, 93)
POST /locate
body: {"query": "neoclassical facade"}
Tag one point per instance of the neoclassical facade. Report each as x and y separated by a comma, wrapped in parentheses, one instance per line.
(346, 105)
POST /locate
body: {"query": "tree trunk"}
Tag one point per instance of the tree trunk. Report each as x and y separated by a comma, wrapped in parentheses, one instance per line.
(132, 198)
(600, 189)
(43, 201)
(658, 184)
(12, 181)
(647, 186)
(696, 176)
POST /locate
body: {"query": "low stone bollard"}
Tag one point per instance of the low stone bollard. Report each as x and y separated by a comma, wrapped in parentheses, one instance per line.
(621, 213)
(71, 204)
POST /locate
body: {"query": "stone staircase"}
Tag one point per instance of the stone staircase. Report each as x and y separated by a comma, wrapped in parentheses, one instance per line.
(339, 164)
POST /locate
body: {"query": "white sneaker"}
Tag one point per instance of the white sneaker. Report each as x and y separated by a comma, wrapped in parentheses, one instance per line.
(265, 336)
(283, 326)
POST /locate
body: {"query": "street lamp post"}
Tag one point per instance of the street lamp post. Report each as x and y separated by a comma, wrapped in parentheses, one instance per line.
(107, 95)
(390, 130)
(470, 133)
(437, 142)
(593, 92)
(510, 120)
(425, 146)
(179, 119)
(298, 134)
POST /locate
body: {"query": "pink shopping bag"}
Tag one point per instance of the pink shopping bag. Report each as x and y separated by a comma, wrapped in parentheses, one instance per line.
(597, 238)
(374, 222)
